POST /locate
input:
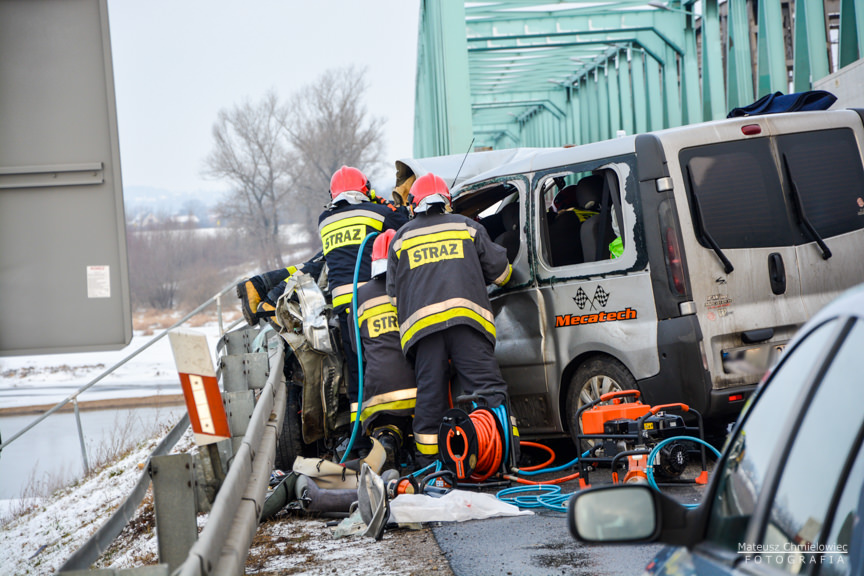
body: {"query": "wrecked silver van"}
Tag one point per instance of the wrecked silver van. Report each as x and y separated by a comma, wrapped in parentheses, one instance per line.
(678, 262)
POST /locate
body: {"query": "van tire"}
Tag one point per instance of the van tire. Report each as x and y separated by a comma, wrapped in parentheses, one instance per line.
(290, 443)
(593, 378)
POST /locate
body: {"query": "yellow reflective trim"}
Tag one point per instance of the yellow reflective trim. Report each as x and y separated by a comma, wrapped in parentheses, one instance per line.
(365, 313)
(398, 405)
(434, 229)
(378, 300)
(426, 438)
(404, 394)
(370, 221)
(291, 271)
(435, 237)
(442, 317)
(427, 449)
(443, 307)
(343, 299)
(515, 431)
(505, 277)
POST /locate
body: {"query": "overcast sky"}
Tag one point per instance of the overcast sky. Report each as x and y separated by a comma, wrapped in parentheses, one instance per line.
(176, 63)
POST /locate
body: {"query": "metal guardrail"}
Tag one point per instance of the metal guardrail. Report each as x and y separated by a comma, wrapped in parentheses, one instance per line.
(223, 544)
(90, 551)
(217, 299)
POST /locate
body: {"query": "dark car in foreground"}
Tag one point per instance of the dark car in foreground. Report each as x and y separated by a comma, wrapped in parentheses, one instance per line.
(787, 495)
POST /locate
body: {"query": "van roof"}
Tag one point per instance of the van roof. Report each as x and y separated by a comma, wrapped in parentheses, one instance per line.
(479, 166)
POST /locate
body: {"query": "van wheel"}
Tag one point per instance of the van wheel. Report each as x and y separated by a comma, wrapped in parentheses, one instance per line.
(290, 443)
(592, 379)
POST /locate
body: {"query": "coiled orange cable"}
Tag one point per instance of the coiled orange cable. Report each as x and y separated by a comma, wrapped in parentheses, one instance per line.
(488, 445)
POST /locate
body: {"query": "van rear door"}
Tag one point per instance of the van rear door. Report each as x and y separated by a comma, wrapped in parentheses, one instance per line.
(825, 185)
(775, 231)
(740, 252)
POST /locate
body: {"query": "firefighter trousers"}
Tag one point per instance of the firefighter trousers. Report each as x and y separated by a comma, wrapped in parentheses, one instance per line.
(473, 359)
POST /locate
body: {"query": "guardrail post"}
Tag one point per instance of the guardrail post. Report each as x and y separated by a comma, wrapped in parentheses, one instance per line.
(81, 437)
(174, 488)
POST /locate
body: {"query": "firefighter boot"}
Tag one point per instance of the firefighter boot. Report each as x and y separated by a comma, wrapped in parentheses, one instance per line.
(391, 439)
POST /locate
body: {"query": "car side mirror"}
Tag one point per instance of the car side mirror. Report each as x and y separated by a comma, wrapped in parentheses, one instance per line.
(609, 514)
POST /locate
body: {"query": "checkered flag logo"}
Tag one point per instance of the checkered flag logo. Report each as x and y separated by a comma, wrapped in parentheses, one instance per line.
(601, 296)
(581, 298)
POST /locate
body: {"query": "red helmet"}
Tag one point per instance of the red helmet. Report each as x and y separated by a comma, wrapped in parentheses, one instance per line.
(348, 179)
(431, 188)
(379, 251)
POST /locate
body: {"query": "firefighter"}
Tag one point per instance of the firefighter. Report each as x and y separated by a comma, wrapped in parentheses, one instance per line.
(389, 390)
(349, 218)
(258, 294)
(438, 269)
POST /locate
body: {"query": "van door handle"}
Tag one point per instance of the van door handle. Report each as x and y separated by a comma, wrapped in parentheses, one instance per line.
(777, 273)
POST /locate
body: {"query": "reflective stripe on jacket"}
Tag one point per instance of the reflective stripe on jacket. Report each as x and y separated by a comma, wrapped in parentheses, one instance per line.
(438, 269)
(342, 230)
(388, 378)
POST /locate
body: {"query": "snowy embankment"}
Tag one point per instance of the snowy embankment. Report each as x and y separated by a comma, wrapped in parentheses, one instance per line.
(45, 531)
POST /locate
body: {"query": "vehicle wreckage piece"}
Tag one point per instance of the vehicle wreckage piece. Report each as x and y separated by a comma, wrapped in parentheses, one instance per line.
(302, 314)
(372, 502)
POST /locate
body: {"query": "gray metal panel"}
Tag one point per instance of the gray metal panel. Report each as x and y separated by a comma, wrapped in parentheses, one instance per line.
(245, 371)
(63, 272)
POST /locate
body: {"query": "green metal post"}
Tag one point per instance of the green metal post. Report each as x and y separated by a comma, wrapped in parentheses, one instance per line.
(626, 92)
(691, 86)
(584, 111)
(614, 98)
(640, 92)
(771, 58)
(810, 49)
(739, 69)
(603, 103)
(713, 91)
(671, 96)
(654, 93)
(593, 116)
(574, 125)
(443, 75)
(851, 31)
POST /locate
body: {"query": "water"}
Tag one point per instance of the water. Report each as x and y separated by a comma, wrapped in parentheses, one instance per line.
(51, 451)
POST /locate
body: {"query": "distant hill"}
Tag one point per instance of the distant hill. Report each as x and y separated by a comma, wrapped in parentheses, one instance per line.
(171, 201)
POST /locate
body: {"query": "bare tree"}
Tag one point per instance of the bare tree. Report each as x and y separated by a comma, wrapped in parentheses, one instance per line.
(253, 154)
(329, 127)
(280, 158)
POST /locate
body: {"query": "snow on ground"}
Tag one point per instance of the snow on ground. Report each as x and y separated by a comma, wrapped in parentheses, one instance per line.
(39, 541)
(24, 380)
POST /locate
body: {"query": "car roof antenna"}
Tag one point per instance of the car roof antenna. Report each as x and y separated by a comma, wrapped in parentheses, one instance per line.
(463, 161)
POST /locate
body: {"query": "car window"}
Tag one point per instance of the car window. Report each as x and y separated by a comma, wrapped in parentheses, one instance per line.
(735, 192)
(813, 468)
(580, 223)
(826, 169)
(749, 452)
(843, 553)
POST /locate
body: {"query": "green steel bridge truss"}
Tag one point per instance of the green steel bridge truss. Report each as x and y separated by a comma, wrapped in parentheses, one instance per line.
(508, 73)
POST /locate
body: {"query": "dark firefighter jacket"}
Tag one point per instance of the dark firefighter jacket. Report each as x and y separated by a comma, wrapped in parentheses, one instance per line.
(342, 230)
(437, 272)
(388, 379)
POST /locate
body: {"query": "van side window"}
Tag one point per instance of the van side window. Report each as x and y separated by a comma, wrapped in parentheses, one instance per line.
(735, 193)
(581, 223)
(825, 169)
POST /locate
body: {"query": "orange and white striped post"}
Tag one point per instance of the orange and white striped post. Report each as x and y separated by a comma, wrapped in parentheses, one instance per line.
(200, 387)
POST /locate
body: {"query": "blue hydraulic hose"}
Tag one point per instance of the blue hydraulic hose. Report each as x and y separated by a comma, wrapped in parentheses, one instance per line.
(359, 349)
(651, 481)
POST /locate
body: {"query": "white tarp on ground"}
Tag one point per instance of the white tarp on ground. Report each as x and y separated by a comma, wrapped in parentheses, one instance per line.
(455, 506)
